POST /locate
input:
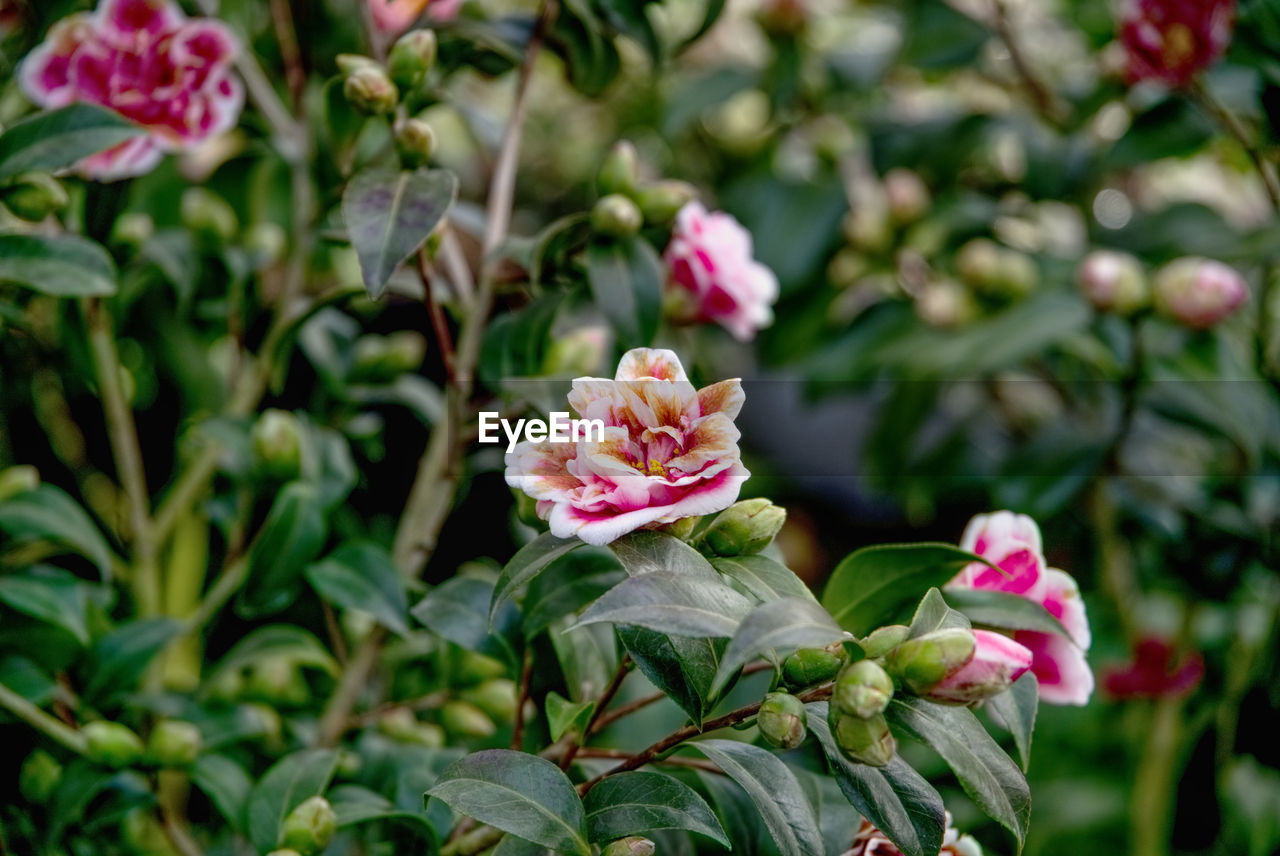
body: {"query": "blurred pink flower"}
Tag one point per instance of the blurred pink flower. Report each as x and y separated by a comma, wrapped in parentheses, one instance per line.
(1173, 40)
(669, 451)
(1012, 542)
(710, 258)
(997, 662)
(1198, 292)
(870, 841)
(1154, 672)
(393, 17)
(150, 63)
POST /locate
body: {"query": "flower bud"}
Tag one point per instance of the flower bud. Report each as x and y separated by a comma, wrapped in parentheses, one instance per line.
(415, 143)
(348, 62)
(661, 201)
(133, 228)
(908, 196)
(1198, 292)
(997, 662)
(39, 776)
(371, 91)
(402, 725)
(1113, 282)
(616, 215)
(16, 480)
(474, 668)
(277, 443)
(268, 243)
(173, 743)
(783, 18)
(810, 666)
(882, 640)
(208, 215)
(923, 662)
(277, 680)
(620, 171)
(497, 697)
(993, 271)
(781, 720)
(141, 832)
(309, 827)
(411, 57)
(464, 719)
(632, 846)
(866, 227)
(579, 353)
(867, 741)
(284, 851)
(745, 527)
(111, 744)
(33, 196)
(862, 689)
(945, 304)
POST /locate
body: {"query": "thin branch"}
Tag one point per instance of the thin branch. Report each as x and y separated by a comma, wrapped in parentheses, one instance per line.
(622, 754)
(1232, 124)
(337, 713)
(438, 323)
(44, 723)
(522, 698)
(287, 38)
(620, 675)
(1046, 103)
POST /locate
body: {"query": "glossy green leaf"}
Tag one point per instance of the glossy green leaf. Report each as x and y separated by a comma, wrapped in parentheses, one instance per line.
(564, 716)
(626, 279)
(51, 595)
(529, 561)
(762, 577)
(639, 802)
(292, 535)
(117, 660)
(360, 575)
(457, 609)
(354, 804)
(567, 585)
(57, 139)
(647, 552)
(669, 602)
(276, 640)
(781, 625)
(290, 781)
(49, 514)
(1015, 709)
(1003, 610)
(518, 793)
(226, 784)
(57, 265)
(683, 667)
(934, 614)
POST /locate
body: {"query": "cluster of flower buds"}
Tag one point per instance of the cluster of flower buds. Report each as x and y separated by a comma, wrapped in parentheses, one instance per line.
(1196, 292)
(625, 204)
(33, 196)
(377, 90)
(486, 699)
(171, 743)
(859, 696)
(996, 272)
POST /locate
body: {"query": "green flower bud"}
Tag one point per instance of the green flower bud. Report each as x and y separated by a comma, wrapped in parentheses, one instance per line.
(527, 510)
(278, 680)
(39, 776)
(277, 443)
(661, 201)
(745, 527)
(620, 170)
(348, 62)
(945, 304)
(884, 639)
(34, 195)
(862, 689)
(925, 661)
(173, 743)
(978, 263)
(226, 686)
(464, 719)
(371, 91)
(1114, 282)
(208, 215)
(578, 353)
(473, 668)
(781, 720)
(497, 697)
(867, 741)
(810, 666)
(411, 58)
(267, 242)
(265, 721)
(133, 228)
(616, 215)
(908, 196)
(310, 826)
(349, 764)
(16, 480)
(1018, 277)
(111, 744)
(141, 831)
(415, 143)
(381, 359)
(632, 846)
(284, 851)
(682, 528)
(866, 228)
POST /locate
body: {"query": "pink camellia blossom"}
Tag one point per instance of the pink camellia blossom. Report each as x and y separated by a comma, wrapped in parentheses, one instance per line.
(710, 259)
(1198, 292)
(669, 451)
(870, 841)
(1173, 40)
(1012, 543)
(1156, 672)
(393, 17)
(997, 662)
(150, 63)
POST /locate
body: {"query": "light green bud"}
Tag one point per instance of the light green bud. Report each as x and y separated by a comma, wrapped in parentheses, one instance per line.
(415, 143)
(464, 719)
(173, 743)
(865, 740)
(632, 846)
(862, 689)
(661, 201)
(925, 661)
(411, 57)
(616, 215)
(348, 62)
(781, 720)
(810, 666)
(370, 90)
(16, 480)
(310, 826)
(882, 640)
(497, 697)
(620, 170)
(277, 443)
(111, 744)
(39, 776)
(33, 196)
(745, 527)
(208, 215)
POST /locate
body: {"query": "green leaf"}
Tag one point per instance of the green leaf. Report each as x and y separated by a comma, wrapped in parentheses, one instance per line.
(457, 610)
(57, 265)
(564, 716)
(986, 773)
(777, 794)
(626, 278)
(669, 602)
(639, 802)
(567, 585)
(291, 780)
(276, 640)
(588, 657)
(683, 667)
(51, 595)
(628, 17)
(360, 575)
(647, 552)
(762, 577)
(895, 798)
(518, 793)
(118, 659)
(1003, 610)
(354, 804)
(292, 535)
(877, 585)
(49, 514)
(226, 784)
(529, 561)
(591, 60)
(61, 138)
(785, 624)
(1016, 710)
(934, 614)
(389, 214)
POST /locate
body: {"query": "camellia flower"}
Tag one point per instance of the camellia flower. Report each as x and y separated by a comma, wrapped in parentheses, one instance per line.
(870, 841)
(669, 451)
(393, 17)
(150, 63)
(1155, 672)
(1198, 292)
(710, 259)
(1012, 543)
(997, 662)
(1173, 40)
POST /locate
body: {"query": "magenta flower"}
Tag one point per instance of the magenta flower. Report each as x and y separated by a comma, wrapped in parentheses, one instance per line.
(147, 61)
(393, 17)
(1155, 672)
(870, 841)
(710, 259)
(997, 662)
(1173, 40)
(1198, 292)
(1012, 543)
(669, 451)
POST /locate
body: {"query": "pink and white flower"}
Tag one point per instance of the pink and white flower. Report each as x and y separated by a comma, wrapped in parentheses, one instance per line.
(1012, 543)
(1173, 40)
(393, 17)
(711, 263)
(997, 662)
(870, 841)
(150, 63)
(1199, 292)
(669, 451)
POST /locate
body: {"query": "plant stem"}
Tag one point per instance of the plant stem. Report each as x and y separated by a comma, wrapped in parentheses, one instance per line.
(624, 667)
(438, 323)
(1046, 103)
(522, 698)
(46, 724)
